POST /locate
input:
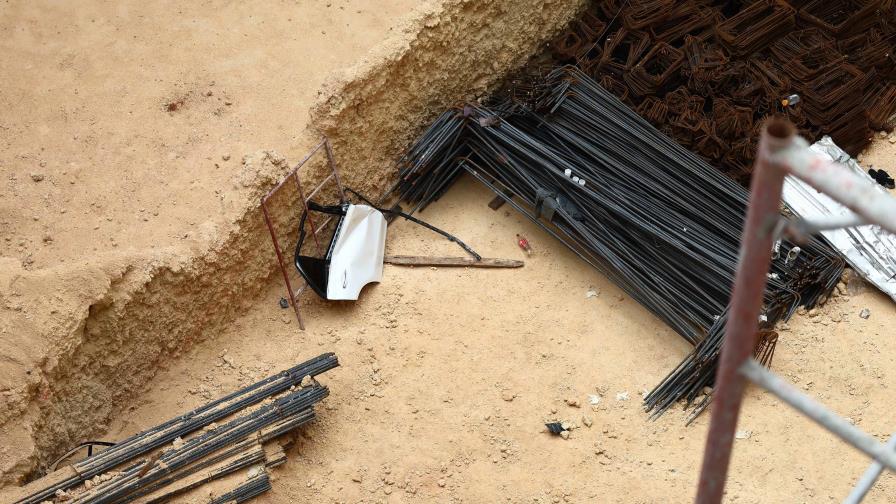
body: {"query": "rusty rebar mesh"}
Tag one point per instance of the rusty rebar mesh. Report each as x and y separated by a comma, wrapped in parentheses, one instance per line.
(655, 70)
(756, 26)
(622, 49)
(879, 103)
(708, 72)
(844, 17)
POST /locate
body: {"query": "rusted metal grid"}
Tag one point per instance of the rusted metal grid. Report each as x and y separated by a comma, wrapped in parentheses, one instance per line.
(747, 58)
(294, 178)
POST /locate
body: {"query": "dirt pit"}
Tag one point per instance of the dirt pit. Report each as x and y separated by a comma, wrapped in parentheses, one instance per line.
(448, 375)
(132, 231)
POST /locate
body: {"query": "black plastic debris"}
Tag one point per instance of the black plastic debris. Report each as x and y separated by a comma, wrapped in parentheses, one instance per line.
(882, 177)
(284, 303)
(554, 428)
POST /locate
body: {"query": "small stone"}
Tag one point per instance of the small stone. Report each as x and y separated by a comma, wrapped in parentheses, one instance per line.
(357, 478)
(707, 390)
(587, 421)
(593, 399)
(622, 396)
(566, 426)
(865, 313)
(564, 434)
(743, 434)
(813, 313)
(226, 157)
(592, 292)
(307, 381)
(48, 238)
(178, 443)
(507, 395)
(573, 402)
(442, 483)
(37, 177)
(893, 140)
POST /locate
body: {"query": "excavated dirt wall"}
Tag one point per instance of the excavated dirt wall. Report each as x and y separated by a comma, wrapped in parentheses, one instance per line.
(105, 339)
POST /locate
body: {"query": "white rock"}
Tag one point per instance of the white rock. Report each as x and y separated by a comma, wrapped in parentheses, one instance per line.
(622, 396)
(743, 434)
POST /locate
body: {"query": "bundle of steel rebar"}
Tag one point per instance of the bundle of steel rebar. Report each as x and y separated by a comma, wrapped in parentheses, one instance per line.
(653, 217)
(192, 449)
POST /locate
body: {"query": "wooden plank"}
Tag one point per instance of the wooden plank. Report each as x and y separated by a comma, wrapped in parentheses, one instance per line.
(404, 260)
(498, 201)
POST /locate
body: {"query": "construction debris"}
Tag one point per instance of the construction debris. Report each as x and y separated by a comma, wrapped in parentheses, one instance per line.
(653, 217)
(217, 440)
(869, 250)
(882, 177)
(523, 243)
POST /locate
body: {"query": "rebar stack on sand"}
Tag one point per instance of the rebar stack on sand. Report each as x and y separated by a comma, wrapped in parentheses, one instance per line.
(838, 56)
(653, 217)
(220, 440)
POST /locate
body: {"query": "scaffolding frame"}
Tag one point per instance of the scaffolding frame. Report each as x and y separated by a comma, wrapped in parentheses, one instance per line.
(781, 153)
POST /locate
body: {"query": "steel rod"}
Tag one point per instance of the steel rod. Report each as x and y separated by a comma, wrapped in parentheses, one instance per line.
(746, 303)
(869, 477)
(818, 413)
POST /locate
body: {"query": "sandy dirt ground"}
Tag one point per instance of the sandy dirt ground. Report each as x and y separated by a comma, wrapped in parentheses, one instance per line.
(449, 374)
(122, 127)
(122, 122)
(125, 186)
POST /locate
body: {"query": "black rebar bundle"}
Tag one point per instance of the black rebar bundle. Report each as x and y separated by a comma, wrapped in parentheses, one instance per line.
(296, 405)
(250, 489)
(209, 445)
(650, 215)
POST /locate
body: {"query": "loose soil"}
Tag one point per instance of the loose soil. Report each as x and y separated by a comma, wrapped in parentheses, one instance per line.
(137, 143)
(419, 410)
(133, 259)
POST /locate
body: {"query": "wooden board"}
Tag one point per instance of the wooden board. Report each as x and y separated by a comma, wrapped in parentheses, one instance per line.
(403, 260)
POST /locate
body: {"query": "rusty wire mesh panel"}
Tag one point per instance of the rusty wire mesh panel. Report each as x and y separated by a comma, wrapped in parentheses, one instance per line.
(709, 71)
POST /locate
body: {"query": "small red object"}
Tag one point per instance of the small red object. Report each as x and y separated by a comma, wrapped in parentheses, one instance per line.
(524, 244)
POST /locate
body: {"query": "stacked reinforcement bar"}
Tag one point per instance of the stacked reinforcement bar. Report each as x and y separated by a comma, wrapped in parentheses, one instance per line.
(653, 217)
(133, 478)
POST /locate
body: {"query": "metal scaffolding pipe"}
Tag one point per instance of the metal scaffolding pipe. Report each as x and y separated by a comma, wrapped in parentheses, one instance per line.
(819, 414)
(869, 477)
(746, 303)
